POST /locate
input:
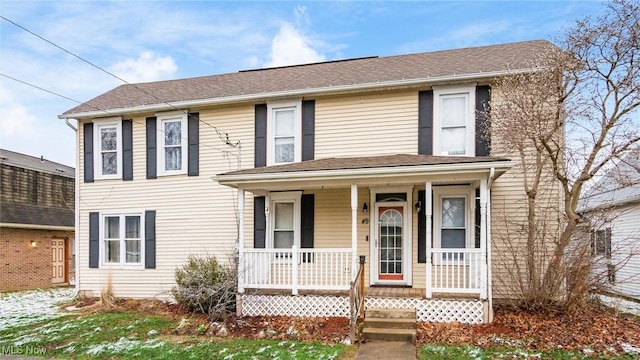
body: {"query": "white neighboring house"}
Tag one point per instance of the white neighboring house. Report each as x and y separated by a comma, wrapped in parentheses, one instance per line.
(613, 203)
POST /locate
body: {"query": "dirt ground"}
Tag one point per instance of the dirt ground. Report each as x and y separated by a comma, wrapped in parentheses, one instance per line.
(593, 327)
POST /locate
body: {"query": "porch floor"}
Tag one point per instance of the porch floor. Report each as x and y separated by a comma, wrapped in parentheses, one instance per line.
(371, 292)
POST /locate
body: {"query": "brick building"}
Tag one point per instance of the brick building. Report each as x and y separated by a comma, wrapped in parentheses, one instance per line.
(36, 222)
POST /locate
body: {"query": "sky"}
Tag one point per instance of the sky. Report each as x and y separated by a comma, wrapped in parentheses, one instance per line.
(143, 41)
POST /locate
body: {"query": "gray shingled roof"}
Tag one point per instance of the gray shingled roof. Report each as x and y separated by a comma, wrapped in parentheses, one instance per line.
(365, 162)
(36, 215)
(484, 61)
(620, 185)
(33, 163)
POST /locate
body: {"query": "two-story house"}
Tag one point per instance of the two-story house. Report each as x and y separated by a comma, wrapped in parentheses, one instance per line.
(301, 171)
(36, 222)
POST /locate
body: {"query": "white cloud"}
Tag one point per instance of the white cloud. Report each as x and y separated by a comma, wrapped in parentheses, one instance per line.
(147, 67)
(302, 16)
(17, 121)
(290, 47)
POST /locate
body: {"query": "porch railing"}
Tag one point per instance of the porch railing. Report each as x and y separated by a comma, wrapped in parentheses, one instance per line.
(356, 299)
(296, 269)
(455, 271)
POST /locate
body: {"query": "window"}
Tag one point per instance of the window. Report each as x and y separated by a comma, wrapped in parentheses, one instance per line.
(122, 239)
(108, 139)
(602, 242)
(454, 121)
(285, 220)
(172, 141)
(284, 130)
(454, 228)
(453, 220)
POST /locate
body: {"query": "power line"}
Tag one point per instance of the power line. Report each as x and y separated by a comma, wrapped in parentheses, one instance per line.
(104, 111)
(224, 139)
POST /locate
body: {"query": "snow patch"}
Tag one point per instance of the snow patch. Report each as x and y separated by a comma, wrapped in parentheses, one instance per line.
(27, 307)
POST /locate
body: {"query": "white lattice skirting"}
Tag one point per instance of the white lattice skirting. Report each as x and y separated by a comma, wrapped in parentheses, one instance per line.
(427, 310)
(434, 310)
(301, 306)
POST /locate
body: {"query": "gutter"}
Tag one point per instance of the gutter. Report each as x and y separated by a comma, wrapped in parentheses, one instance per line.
(489, 263)
(76, 213)
(319, 175)
(37, 227)
(327, 90)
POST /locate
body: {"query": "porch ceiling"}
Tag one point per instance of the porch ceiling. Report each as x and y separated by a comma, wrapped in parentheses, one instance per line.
(365, 171)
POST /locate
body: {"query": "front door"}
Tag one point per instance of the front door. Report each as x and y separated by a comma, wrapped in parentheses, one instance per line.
(390, 242)
(58, 261)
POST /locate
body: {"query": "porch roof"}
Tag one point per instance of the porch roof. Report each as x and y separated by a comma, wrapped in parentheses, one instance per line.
(367, 169)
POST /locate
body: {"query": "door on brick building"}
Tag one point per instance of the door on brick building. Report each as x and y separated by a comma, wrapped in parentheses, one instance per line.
(58, 261)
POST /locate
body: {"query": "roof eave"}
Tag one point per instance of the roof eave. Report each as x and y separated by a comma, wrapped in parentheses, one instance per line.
(239, 180)
(329, 90)
(609, 204)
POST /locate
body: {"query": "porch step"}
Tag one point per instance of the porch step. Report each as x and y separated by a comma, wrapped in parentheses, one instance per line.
(390, 324)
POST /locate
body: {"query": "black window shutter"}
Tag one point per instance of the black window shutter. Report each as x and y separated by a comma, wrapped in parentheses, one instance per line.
(88, 152)
(152, 161)
(483, 120)
(260, 157)
(425, 122)
(259, 222)
(308, 129)
(193, 152)
(150, 239)
(422, 228)
(307, 215)
(127, 150)
(94, 239)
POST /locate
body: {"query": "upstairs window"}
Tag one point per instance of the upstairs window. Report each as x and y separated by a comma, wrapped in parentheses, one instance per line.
(108, 140)
(284, 133)
(172, 141)
(454, 121)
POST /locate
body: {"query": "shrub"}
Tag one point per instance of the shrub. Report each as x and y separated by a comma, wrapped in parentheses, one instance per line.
(205, 285)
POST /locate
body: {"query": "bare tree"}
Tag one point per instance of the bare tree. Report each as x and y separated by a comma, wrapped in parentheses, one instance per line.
(567, 122)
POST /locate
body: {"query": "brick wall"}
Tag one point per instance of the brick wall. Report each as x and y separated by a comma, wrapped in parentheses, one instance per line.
(24, 267)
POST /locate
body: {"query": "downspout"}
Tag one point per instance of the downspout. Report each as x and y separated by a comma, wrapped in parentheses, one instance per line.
(492, 174)
(76, 213)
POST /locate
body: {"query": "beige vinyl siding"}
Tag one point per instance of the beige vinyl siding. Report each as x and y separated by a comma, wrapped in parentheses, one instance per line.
(194, 215)
(381, 123)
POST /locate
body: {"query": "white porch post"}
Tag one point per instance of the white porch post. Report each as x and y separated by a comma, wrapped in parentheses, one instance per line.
(428, 210)
(354, 230)
(294, 275)
(241, 266)
(483, 238)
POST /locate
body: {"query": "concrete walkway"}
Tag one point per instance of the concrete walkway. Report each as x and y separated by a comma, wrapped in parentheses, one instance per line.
(387, 350)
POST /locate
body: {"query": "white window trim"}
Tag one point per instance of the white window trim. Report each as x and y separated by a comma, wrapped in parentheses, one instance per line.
(102, 250)
(291, 196)
(454, 191)
(161, 119)
(297, 129)
(469, 91)
(97, 147)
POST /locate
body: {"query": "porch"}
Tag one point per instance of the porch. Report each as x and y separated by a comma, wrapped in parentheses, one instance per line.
(420, 222)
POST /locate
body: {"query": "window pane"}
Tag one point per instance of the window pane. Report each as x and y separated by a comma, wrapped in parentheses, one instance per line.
(112, 227)
(453, 213)
(108, 138)
(285, 150)
(284, 216)
(173, 133)
(283, 239)
(173, 158)
(284, 122)
(109, 163)
(453, 238)
(453, 111)
(453, 141)
(132, 227)
(112, 253)
(133, 251)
